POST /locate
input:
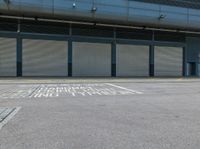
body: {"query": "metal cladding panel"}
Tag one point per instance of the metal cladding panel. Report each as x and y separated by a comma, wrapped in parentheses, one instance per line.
(168, 61)
(124, 12)
(7, 57)
(182, 3)
(132, 60)
(44, 58)
(91, 59)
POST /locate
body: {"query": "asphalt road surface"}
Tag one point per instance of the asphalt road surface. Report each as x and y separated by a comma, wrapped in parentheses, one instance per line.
(100, 114)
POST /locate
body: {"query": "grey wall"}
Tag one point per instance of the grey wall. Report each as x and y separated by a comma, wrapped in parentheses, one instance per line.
(193, 49)
(120, 11)
(193, 54)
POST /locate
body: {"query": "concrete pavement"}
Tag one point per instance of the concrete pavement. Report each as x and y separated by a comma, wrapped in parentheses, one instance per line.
(166, 115)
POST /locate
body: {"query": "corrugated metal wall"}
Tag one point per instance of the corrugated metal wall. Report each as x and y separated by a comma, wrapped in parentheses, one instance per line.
(132, 60)
(7, 57)
(91, 59)
(44, 58)
(168, 61)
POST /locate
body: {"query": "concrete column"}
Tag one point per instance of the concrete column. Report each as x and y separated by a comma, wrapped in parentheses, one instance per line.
(70, 58)
(19, 56)
(113, 59)
(151, 61)
(184, 62)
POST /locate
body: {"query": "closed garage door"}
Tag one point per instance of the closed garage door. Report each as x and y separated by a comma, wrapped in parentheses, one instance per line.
(44, 58)
(132, 60)
(7, 57)
(91, 59)
(168, 61)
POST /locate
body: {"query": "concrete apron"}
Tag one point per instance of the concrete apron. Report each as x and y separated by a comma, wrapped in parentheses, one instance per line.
(61, 80)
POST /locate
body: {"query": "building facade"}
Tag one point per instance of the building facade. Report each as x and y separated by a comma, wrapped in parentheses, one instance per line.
(104, 38)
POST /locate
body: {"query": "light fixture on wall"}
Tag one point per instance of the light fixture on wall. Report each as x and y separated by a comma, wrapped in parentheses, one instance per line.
(74, 5)
(94, 9)
(161, 17)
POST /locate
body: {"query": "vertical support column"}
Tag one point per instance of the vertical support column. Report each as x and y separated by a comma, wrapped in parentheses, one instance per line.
(70, 52)
(184, 62)
(151, 60)
(70, 58)
(19, 56)
(113, 55)
(151, 56)
(19, 51)
(113, 59)
(197, 69)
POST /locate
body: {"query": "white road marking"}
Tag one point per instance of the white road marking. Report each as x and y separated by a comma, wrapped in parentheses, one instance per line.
(9, 117)
(120, 87)
(65, 90)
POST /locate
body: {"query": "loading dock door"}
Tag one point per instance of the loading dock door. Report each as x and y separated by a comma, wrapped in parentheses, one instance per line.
(91, 59)
(44, 58)
(132, 60)
(168, 61)
(7, 57)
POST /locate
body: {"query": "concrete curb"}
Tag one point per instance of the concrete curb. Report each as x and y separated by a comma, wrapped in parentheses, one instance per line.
(39, 80)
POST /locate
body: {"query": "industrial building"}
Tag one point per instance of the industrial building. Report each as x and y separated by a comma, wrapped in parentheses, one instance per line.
(103, 38)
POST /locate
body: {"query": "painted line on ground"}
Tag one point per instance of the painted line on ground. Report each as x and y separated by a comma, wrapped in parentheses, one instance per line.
(9, 117)
(117, 86)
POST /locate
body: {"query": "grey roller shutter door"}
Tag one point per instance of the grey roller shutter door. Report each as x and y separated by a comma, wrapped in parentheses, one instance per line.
(44, 58)
(132, 60)
(91, 59)
(7, 57)
(168, 61)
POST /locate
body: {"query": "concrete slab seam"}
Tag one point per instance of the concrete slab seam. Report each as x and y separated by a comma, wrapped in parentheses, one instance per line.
(9, 117)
